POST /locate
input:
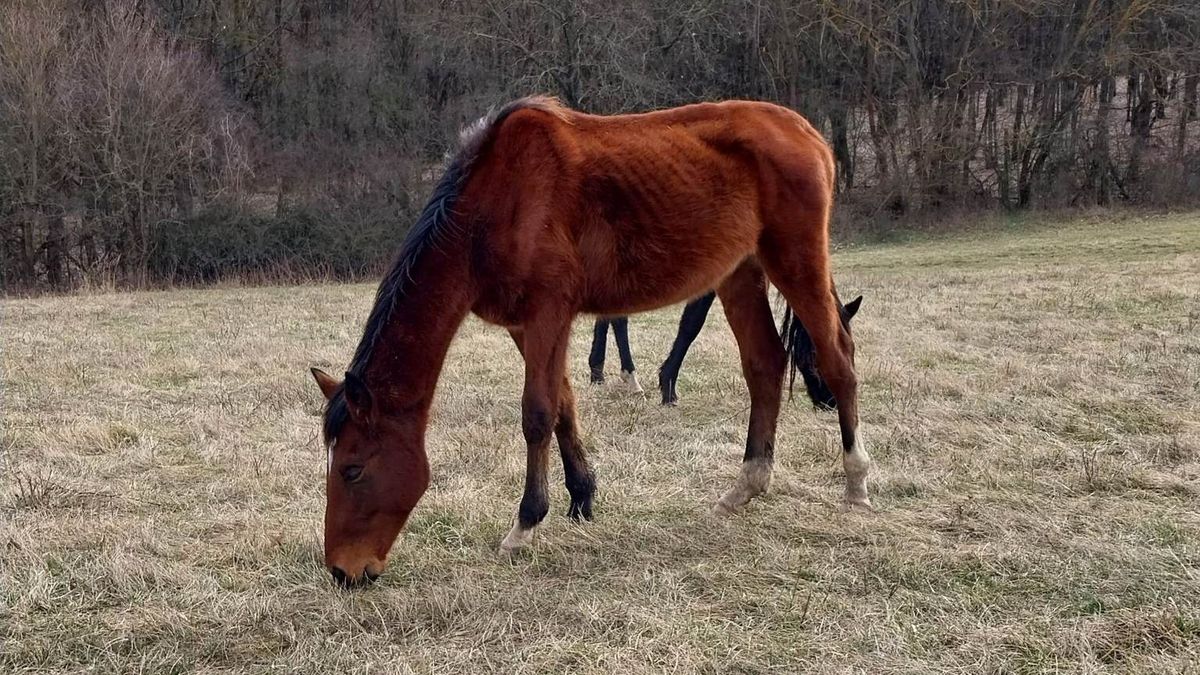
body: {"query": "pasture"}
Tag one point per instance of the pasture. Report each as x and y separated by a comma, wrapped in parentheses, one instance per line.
(1031, 397)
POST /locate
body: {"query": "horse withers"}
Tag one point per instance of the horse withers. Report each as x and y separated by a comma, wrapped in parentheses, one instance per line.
(545, 213)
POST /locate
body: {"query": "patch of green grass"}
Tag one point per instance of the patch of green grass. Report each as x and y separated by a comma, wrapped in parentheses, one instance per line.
(1166, 532)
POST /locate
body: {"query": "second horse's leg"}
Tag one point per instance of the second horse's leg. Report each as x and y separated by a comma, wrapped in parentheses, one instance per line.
(596, 357)
(690, 323)
(628, 370)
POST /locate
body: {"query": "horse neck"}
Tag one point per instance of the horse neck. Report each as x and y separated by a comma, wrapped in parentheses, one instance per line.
(405, 363)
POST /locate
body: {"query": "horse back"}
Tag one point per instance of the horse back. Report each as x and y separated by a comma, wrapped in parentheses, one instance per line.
(627, 213)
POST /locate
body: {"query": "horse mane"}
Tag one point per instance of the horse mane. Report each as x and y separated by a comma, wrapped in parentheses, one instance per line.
(434, 219)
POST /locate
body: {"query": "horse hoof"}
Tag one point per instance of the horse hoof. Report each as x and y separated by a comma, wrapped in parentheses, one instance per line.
(580, 511)
(516, 540)
(631, 382)
(857, 505)
(722, 510)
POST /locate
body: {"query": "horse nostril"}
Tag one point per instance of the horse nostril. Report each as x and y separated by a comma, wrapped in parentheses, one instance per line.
(340, 577)
(346, 581)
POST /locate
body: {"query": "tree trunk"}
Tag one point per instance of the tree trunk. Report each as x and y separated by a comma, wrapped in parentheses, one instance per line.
(1190, 84)
(841, 144)
(56, 247)
(1101, 165)
(28, 220)
(1141, 119)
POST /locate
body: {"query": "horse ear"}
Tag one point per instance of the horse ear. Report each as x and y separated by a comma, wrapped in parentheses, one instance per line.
(359, 398)
(326, 382)
(851, 308)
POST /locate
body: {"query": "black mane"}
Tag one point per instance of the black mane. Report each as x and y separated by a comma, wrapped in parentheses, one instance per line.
(434, 219)
(395, 283)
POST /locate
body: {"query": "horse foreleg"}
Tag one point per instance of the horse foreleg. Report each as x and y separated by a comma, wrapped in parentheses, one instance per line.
(544, 344)
(580, 478)
(804, 280)
(596, 356)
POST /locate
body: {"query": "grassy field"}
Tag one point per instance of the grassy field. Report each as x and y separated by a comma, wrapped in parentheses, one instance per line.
(1033, 402)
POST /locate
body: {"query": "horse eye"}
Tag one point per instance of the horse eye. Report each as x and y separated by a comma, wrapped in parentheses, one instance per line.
(352, 473)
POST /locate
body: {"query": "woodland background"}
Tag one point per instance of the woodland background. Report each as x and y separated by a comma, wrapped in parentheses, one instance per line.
(186, 141)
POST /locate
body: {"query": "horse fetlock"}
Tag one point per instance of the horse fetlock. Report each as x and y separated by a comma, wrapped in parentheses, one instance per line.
(755, 477)
(581, 484)
(857, 465)
(580, 509)
(581, 488)
(533, 509)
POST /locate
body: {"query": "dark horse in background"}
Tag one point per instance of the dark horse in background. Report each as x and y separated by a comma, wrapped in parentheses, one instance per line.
(690, 323)
(620, 328)
(545, 213)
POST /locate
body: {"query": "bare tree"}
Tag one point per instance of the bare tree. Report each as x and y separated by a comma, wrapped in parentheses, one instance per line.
(32, 48)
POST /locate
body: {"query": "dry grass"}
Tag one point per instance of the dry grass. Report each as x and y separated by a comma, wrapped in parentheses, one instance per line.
(1032, 401)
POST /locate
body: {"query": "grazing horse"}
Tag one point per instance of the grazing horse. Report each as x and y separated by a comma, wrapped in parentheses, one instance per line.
(690, 323)
(545, 213)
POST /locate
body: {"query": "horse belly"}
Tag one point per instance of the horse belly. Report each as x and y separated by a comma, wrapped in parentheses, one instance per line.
(641, 264)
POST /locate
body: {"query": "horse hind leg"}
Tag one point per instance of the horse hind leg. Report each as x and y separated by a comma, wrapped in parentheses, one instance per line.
(690, 323)
(799, 268)
(744, 297)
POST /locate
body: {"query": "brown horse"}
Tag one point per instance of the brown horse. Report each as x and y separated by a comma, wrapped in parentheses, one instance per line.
(545, 213)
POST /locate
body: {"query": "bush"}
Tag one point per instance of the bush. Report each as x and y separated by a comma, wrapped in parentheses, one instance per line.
(225, 241)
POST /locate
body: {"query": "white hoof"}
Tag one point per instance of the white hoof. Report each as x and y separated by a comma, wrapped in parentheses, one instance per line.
(851, 504)
(631, 383)
(751, 482)
(516, 539)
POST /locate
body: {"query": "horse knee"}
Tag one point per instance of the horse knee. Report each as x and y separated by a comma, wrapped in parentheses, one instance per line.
(767, 367)
(537, 423)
